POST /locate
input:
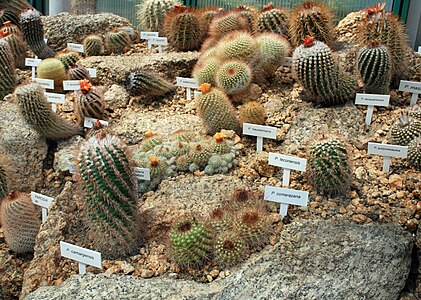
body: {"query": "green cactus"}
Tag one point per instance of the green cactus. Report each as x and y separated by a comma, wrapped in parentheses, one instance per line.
(83, 7)
(253, 112)
(414, 152)
(405, 129)
(7, 70)
(18, 48)
(4, 177)
(52, 68)
(205, 69)
(117, 41)
(252, 224)
(20, 223)
(144, 83)
(272, 19)
(190, 242)
(33, 33)
(330, 170)
(109, 189)
(158, 167)
(36, 111)
(225, 23)
(323, 80)
(219, 219)
(78, 72)
(89, 102)
(198, 155)
(206, 18)
(7, 15)
(229, 248)
(151, 13)
(68, 58)
(183, 136)
(93, 45)
(273, 51)
(233, 77)
(237, 45)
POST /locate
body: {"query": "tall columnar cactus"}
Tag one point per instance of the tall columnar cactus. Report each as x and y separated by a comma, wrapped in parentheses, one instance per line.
(7, 15)
(117, 41)
(314, 67)
(109, 189)
(205, 69)
(272, 19)
(17, 46)
(33, 33)
(4, 177)
(229, 248)
(273, 51)
(374, 66)
(83, 7)
(151, 13)
(68, 58)
(216, 111)
(7, 69)
(20, 222)
(233, 76)
(414, 152)
(54, 69)
(237, 45)
(253, 112)
(36, 111)
(329, 166)
(226, 23)
(93, 45)
(311, 19)
(89, 102)
(405, 129)
(144, 83)
(78, 72)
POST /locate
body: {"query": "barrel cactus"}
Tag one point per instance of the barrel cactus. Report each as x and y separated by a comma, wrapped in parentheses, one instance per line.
(68, 58)
(140, 82)
(272, 19)
(229, 248)
(252, 224)
(225, 23)
(53, 69)
(17, 46)
(414, 152)
(78, 72)
(93, 45)
(89, 102)
(405, 129)
(205, 69)
(151, 13)
(233, 76)
(7, 15)
(117, 41)
(272, 53)
(4, 177)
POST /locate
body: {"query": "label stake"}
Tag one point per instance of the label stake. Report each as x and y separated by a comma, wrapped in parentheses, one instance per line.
(44, 202)
(411, 87)
(188, 83)
(371, 100)
(83, 256)
(387, 151)
(259, 131)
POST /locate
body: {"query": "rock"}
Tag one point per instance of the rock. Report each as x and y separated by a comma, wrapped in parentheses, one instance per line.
(347, 28)
(417, 272)
(314, 260)
(260, 165)
(25, 148)
(64, 158)
(116, 97)
(396, 181)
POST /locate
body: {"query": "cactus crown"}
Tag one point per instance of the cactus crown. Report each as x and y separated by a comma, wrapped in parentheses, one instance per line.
(204, 88)
(85, 86)
(374, 10)
(308, 41)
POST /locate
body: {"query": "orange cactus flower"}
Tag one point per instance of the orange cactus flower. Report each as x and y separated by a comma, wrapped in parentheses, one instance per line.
(219, 137)
(149, 133)
(154, 161)
(204, 88)
(85, 85)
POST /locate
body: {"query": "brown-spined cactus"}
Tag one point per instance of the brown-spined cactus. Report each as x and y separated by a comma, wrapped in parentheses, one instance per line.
(249, 13)
(17, 46)
(93, 45)
(151, 13)
(405, 129)
(78, 72)
(7, 69)
(83, 7)
(16, 6)
(7, 15)
(20, 222)
(53, 69)
(117, 41)
(272, 19)
(225, 23)
(89, 102)
(207, 16)
(229, 248)
(253, 112)
(252, 224)
(140, 82)
(36, 111)
(273, 49)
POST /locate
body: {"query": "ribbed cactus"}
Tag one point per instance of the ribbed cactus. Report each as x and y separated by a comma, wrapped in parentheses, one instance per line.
(117, 41)
(237, 45)
(205, 69)
(253, 112)
(329, 166)
(52, 68)
(220, 219)
(273, 51)
(207, 16)
(151, 13)
(225, 23)
(311, 19)
(216, 111)
(229, 248)
(414, 152)
(33, 33)
(78, 72)
(415, 112)
(405, 129)
(7, 15)
(323, 80)
(36, 111)
(233, 76)
(144, 83)
(18, 48)
(4, 177)
(252, 224)
(10, 28)
(20, 222)
(374, 66)
(190, 242)
(89, 102)
(109, 189)
(7, 69)
(68, 58)
(83, 7)
(16, 6)
(272, 19)
(198, 155)
(93, 45)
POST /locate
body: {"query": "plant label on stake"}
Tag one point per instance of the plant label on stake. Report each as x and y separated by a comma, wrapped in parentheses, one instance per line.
(412, 87)
(33, 62)
(142, 173)
(286, 196)
(147, 35)
(45, 83)
(90, 122)
(76, 47)
(387, 151)
(55, 99)
(159, 41)
(259, 131)
(92, 72)
(288, 163)
(43, 201)
(188, 83)
(71, 85)
(83, 256)
(371, 100)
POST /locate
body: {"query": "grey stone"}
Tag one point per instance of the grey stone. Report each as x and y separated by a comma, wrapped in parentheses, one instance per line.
(116, 97)
(64, 158)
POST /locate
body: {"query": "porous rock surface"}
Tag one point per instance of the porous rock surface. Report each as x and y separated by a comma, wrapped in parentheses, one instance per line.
(313, 260)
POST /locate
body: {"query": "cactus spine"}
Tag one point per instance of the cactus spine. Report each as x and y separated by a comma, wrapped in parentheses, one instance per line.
(405, 129)
(117, 41)
(151, 14)
(93, 45)
(18, 48)
(226, 23)
(229, 249)
(414, 152)
(233, 77)
(36, 111)
(272, 19)
(205, 69)
(237, 45)
(253, 112)
(83, 7)
(273, 51)
(7, 69)
(144, 83)
(52, 68)
(89, 102)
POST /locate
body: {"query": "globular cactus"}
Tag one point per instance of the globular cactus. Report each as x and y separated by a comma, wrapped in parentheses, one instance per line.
(205, 69)
(405, 129)
(52, 68)
(273, 51)
(272, 19)
(323, 80)
(17, 46)
(89, 102)
(93, 45)
(151, 140)
(253, 112)
(415, 112)
(233, 76)
(183, 28)
(4, 176)
(144, 83)
(216, 110)
(374, 67)
(108, 185)
(83, 7)
(229, 249)
(151, 13)
(312, 19)
(190, 242)
(117, 41)
(237, 45)
(78, 72)
(414, 152)
(33, 33)
(252, 224)
(219, 219)
(207, 16)
(157, 166)
(242, 198)
(198, 155)
(330, 170)
(7, 15)
(7, 69)
(20, 222)
(249, 13)
(68, 58)
(225, 23)
(36, 111)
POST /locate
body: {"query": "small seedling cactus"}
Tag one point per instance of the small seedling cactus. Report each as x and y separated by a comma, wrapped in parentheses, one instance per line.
(7, 69)
(93, 45)
(252, 224)
(272, 19)
(253, 112)
(151, 14)
(117, 41)
(414, 152)
(147, 84)
(405, 129)
(89, 102)
(229, 248)
(233, 76)
(220, 219)
(52, 68)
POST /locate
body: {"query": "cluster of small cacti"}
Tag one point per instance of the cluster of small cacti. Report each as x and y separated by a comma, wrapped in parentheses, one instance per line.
(151, 14)
(12, 34)
(93, 45)
(140, 82)
(83, 7)
(89, 102)
(7, 69)
(117, 41)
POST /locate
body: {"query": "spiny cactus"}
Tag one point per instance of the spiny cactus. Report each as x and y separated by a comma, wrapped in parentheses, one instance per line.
(225, 23)
(7, 69)
(198, 155)
(249, 13)
(311, 19)
(89, 102)
(16, 6)
(78, 72)
(374, 66)
(414, 152)
(207, 16)
(52, 68)
(68, 58)
(17, 46)
(233, 76)
(314, 67)
(205, 69)
(151, 13)
(253, 112)
(33, 33)
(242, 198)
(216, 111)
(117, 41)
(93, 45)
(83, 7)
(229, 248)
(190, 242)
(252, 224)
(272, 19)
(36, 111)
(4, 177)
(144, 83)
(109, 189)
(7, 15)
(220, 219)
(20, 223)
(415, 112)
(237, 45)
(330, 171)
(273, 51)
(405, 129)
(10, 28)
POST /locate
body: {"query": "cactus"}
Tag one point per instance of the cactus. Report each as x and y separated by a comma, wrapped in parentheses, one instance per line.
(233, 77)
(33, 34)
(83, 7)
(143, 83)
(19, 221)
(78, 72)
(311, 19)
(272, 19)
(253, 112)
(226, 23)
(330, 170)
(7, 15)
(68, 58)
(159, 170)
(17, 47)
(216, 110)
(219, 219)
(17, 6)
(190, 242)
(252, 224)
(10, 28)
(229, 248)
(414, 152)
(249, 13)
(242, 198)
(52, 68)
(373, 63)
(93, 45)
(89, 102)
(7, 69)
(4, 177)
(151, 13)
(205, 69)
(36, 111)
(237, 45)
(405, 129)
(117, 41)
(314, 67)
(415, 112)
(207, 16)
(198, 155)
(183, 28)
(109, 190)
(273, 51)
